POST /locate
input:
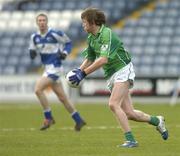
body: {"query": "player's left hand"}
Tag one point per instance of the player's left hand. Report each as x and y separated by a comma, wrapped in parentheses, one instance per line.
(78, 76)
(62, 54)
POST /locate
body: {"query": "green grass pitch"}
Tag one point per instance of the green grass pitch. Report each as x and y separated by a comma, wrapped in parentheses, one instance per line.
(20, 135)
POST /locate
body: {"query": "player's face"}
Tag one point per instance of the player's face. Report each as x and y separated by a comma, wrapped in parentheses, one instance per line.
(86, 26)
(42, 23)
(90, 28)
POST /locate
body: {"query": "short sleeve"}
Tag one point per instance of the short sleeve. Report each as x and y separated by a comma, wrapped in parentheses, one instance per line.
(105, 43)
(32, 45)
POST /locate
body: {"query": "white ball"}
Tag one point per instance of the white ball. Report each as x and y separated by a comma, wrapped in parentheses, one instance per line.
(70, 73)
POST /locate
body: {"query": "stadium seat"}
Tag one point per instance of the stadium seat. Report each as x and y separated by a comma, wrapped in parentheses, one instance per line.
(58, 6)
(158, 70)
(21, 70)
(9, 70)
(17, 15)
(144, 70)
(5, 15)
(43, 5)
(64, 24)
(70, 5)
(151, 38)
(172, 70)
(54, 15)
(27, 24)
(30, 6)
(2, 60)
(13, 24)
(82, 5)
(6, 41)
(12, 60)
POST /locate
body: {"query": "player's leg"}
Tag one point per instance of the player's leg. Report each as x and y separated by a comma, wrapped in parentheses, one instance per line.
(140, 116)
(133, 114)
(59, 91)
(40, 86)
(119, 92)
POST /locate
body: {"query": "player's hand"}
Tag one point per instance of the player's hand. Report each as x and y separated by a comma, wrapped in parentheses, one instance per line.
(62, 55)
(33, 54)
(78, 76)
(75, 70)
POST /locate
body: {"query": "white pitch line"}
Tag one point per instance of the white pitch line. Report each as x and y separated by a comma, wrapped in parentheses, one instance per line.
(72, 128)
(63, 128)
(54, 129)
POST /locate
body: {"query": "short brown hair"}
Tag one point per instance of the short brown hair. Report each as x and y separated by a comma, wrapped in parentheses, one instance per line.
(42, 14)
(94, 16)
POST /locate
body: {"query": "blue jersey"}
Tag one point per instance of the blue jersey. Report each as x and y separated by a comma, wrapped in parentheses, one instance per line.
(48, 45)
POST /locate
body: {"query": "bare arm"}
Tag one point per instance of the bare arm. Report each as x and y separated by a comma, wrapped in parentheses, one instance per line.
(86, 63)
(90, 67)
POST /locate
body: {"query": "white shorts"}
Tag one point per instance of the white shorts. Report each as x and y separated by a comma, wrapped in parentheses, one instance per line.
(53, 72)
(125, 74)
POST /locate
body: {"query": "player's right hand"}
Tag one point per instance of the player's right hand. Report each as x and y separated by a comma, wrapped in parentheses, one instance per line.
(32, 53)
(78, 77)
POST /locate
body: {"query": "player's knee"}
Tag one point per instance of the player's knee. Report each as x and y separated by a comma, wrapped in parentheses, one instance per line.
(38, 91)
(112, 106)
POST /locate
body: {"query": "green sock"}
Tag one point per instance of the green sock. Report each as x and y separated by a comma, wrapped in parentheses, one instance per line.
(129, 136)
(154, 121)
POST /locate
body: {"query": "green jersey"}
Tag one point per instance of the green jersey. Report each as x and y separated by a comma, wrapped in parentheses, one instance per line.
(107, 44)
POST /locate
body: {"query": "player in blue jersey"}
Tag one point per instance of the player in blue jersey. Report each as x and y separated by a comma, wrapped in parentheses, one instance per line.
(53, 47)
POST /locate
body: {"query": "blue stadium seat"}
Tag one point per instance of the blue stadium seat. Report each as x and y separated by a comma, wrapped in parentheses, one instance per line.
(6, 41)
(44, 5)
(9, 70)
(2, 60)
(172, 70)
(57, 6)
(19, 41)
(82, 4)
(12, 60)
(144, 70)
(70, 5)
(158, 70)
(30, 6)
(151, 39)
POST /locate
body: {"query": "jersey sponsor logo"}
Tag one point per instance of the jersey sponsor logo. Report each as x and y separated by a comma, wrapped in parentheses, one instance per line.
(49, 39)
(104, 47)
(37, 39)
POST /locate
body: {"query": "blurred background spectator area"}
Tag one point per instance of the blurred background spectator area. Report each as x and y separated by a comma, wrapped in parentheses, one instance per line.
(150, 30)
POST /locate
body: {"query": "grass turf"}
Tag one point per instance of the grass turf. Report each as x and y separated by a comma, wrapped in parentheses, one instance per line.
(20, 135)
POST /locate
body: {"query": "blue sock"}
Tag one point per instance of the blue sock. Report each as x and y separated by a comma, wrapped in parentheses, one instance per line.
(47, 114)
(76, 117)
